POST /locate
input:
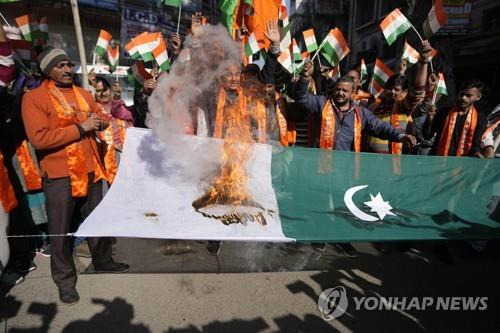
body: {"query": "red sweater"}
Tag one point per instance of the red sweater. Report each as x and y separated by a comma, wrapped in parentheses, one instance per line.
(46, 134)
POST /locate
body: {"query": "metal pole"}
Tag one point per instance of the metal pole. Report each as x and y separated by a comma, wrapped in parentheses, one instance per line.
(81, 47)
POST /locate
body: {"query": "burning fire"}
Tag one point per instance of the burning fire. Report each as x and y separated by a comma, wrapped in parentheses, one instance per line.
(228, 199)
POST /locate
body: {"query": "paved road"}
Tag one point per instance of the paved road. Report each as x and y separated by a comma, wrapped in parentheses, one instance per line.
(277, 301)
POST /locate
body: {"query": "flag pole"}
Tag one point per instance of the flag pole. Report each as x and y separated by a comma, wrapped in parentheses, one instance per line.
(81, 47)
(421, 41)
(3, 17)
(179, 19)
(434, 95)
(317, 51)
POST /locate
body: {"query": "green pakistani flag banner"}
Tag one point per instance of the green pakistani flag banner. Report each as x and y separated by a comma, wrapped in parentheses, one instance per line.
(296, 194)
(173, 3)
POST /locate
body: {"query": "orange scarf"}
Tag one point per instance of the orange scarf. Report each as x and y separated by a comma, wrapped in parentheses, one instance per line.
(328, 121)
(395, 147)
(466, 136)
(30, 171)
(75, 152)
(221, 103)
(287, 133)
(7, 195)
(110, 162)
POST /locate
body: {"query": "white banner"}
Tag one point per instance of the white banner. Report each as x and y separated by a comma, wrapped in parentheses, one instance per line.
(152, 197)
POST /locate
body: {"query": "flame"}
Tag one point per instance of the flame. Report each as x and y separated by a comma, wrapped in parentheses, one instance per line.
(231, 185)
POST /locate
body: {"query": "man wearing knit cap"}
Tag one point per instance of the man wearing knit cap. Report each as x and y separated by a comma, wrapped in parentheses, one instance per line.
(60, 120)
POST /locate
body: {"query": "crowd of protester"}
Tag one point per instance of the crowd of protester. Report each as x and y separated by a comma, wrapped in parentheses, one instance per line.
(61, 145)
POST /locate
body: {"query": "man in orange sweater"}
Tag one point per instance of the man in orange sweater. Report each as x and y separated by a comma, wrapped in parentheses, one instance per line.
(60, 120)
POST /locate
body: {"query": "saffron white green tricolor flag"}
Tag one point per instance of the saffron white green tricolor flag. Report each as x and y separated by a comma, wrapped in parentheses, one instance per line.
(103, 42)
(393, 25)
(299, 194)
(283, 21)
(132, 50)
(363, 72)
(441, 85)
(252, 46)
(146, 42)
(435, 20)
(334, 47)
(310, 40)
(285, 59)
(113, 56)
(381, 73)
(28, 26)
(297, 56)
(410, 54)
(334, 73)
(161, 55)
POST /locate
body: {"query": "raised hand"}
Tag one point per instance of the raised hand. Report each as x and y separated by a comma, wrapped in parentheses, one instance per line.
(425, 51)
(196, 23)
(308, 69)
(272, 32)
(176, 43)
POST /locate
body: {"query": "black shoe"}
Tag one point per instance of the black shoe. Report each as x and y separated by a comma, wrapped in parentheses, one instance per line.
(320, 247)
(69, 295)
(213, 248)
(346, 249)
(112, 267)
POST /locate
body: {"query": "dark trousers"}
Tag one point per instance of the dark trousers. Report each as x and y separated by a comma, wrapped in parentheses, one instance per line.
(64, 213)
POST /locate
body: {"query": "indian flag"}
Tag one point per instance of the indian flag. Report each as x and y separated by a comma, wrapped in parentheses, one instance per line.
(441, 85)
(131, 48)
(28, 26)
(343, 196)
(363, 72)
(310, 40)
(146, 43)
(297, 56)
(381, 73)
(434, 52)
(286, 35)
(113, 56)
(252, 46)
(393, 25)
(435, 20)
(103, 42)
(285, 59)
(161, 55)
(410, 54)
(334, 47)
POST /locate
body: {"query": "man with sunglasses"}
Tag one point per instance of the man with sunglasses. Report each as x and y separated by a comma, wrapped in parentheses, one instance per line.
(60, 120)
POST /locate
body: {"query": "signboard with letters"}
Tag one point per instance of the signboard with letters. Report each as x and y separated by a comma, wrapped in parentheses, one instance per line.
(458, 13)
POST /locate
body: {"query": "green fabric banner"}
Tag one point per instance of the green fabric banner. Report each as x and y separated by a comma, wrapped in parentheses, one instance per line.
(334, 196)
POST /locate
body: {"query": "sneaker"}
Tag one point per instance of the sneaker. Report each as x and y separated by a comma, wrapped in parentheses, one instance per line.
(213, 247)
(44, 251)
(320, 247)
(112, 267)
(346, 249)
(83, 250)
(11, 278)
(69, 296)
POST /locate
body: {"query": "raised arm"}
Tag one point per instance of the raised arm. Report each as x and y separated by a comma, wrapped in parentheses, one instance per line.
(313, 103)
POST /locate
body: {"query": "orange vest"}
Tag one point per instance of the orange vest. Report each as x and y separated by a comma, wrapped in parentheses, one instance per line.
(328, 123)
(466, 136)
(29, 169)
(75, 152)
(7, 195)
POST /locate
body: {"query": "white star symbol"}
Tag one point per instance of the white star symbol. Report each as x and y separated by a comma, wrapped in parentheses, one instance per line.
(379, 206)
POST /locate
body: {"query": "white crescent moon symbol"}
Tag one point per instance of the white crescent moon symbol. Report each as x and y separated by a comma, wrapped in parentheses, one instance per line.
(353, 208)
